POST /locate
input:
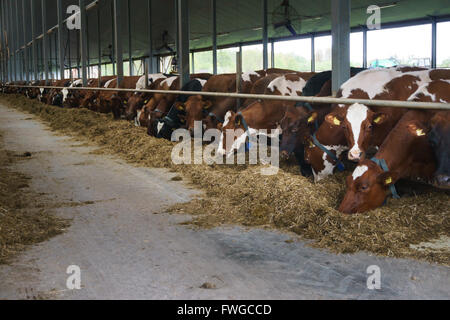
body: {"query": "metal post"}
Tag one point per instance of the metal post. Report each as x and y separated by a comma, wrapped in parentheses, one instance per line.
(193, 62)
(99, 46)
(118, 40)
(77, 36)
(83, 41)
(272, 56)
(265, 37)
(340, 32)
(364, 47)
(433, 42)
(238, 73)
(88, 60)
(152, 68)
(130, 54)
(60, 38)
(45, 39)
(214, 35)
(69, 55)
(18, 42)
(113, 44)
(50, 58)
(33, 43)
(313, 53)
(13, 41)
(183, 40)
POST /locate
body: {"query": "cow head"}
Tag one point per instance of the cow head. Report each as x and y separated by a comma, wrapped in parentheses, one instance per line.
(439, 138)
(135, 102)
(195, 108)
(367, 188)
(295, 128)
(358, 122)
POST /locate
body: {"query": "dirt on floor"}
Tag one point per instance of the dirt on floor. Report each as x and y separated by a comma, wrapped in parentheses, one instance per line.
(239, 194)
(24, 215)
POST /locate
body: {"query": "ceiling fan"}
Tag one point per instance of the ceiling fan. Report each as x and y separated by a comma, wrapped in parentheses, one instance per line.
(283, 16)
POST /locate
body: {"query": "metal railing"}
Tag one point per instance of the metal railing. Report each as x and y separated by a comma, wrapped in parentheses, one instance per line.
(311, 99)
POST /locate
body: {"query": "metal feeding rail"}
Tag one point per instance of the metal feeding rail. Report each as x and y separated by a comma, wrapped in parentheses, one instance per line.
(380, 103)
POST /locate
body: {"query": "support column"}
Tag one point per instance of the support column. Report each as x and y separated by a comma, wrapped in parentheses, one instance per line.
(60, 38)
(45, 39)
(130, 54)
(272, 56)
(183, 40)
(152, 61)
(33, 40)
(340, 32)
(83, 41)
(118, 39)
(364, 47)
(313, 53)
(433, 43)
(214, 34)
(99, 45)
(265, 37)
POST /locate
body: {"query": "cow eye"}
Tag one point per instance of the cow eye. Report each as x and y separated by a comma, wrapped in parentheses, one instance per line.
(370, 126)
(364, 187)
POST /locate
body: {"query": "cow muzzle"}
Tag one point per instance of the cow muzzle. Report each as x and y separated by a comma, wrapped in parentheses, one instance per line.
(442, 181)
(355, 155)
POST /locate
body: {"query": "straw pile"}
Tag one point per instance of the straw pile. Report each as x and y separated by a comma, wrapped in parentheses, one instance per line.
(241, 195)
(23, 217)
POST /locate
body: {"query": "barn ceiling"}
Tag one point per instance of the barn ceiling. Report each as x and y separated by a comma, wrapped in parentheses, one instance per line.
(237, 20)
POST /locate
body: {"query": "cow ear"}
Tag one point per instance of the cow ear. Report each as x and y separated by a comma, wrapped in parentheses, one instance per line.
(379, 118)
(387, 179)
(207, 105)
(417, 129)
(312, 117)
(333, 119)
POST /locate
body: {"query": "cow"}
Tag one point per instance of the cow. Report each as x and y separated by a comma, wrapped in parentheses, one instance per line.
(363, 126)
(159, 105)
(405, 154)
(302, 120)
(139, 99)
(213, 109)
(175, 117)
(55, 95)
(113, 101)
(439, 136)
(89, 98)
(266, 114)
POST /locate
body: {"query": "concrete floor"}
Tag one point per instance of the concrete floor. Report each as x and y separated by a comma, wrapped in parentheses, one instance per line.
(126, 251)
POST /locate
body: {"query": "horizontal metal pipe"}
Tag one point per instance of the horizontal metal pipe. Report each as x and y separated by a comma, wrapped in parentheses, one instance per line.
(380, 103)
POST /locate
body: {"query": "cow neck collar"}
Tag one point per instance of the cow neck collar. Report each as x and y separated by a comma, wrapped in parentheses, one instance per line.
(340, 165)
(383, 165)
(212, 114)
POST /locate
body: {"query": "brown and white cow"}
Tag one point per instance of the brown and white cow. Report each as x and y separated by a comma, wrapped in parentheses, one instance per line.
(439, 136)
(139, 99)
(213, 109)
(89, 98)
(363, 126)
(266, 114)
(113, 101)
(407, 154)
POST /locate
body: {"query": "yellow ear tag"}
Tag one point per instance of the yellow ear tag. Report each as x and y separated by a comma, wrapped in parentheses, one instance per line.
(125, 102)
(388, 180)
(180, 107)
(336, 121)
(311, 144)
(146, 101)
(377, 120)
(420, 132)
(310, 119)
